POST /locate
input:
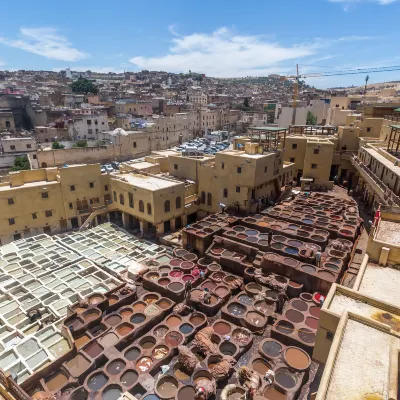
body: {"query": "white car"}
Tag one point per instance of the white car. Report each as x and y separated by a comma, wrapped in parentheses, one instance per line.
(109, 168)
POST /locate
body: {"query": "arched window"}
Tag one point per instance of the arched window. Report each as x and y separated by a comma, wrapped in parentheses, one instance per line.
(209, 199)
(167, 206)
(121, 199)
(149, 208)
(225, 192)
(115, 195)
(141, 206)
(203, 197)
(130, 196)
(178, 203)
(44, 165)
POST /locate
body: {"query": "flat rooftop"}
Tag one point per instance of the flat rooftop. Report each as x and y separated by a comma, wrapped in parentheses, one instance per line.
(381, 283)
(387, 163)
(389, 232)
(29, 184)
(142, 165)
(147, 182)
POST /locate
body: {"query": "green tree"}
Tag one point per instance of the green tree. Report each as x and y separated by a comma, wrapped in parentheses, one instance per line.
(246, 102)
(57, 146)
(20, 163)
(84, 86)
(80, 143)
(311, 118)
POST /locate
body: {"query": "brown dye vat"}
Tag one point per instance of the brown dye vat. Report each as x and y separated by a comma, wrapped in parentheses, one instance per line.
(113, 299)
(315, 311)
(97, 381)
(173, 339)
(96, 299)
(56, 382)
(126, 313)
(299, 305)
(285, 327)
(271, 294)
(175, 286)
(186, 393)
(93, 349)
(222, 328)
(308, 268)
(152, 276)
(144, 364)
(79, 309)
(109, 339)
(132, 354)
(242, 236)
(116, 367)
(97, 330)
(241, 336)
(175, 262)
(159, 352)
(81, 341)
(78, 365)
(209, 285)
(221, 291)
(129, 378)
(328, 276)
(113, 320)
(253, 288)
(160, 331)
(274, 394)
(180, 372)
(196, 319)
(263, 307)
(285, 378)
(173, 321)
(306, 335)
(294, 316)
(167, 387)
(256, 319)
(187, 265)
(91, 315)
(164, 281)
(295, 284)
(164, 269)
(138, 307)
(214, 299)
(260, 366)
(290, 261)
(218, 276)
(297, 358)
(164, 304)
(124, 329)
(150, 298)
(389, 319)
(147, 343)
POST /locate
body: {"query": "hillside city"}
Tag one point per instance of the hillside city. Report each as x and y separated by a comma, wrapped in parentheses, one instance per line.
(179, 236)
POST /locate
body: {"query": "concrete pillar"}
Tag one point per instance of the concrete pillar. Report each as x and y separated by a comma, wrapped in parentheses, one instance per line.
(184, 220)
(125, 220)
(108, 217)
(144, 226)
(160, 228)
(172, 224)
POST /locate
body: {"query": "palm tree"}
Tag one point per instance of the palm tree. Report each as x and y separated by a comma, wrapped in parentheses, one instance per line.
(366, 81)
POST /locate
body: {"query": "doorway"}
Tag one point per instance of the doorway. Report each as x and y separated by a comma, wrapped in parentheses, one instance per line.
(74, 223)
(178, 223)
(167, 226)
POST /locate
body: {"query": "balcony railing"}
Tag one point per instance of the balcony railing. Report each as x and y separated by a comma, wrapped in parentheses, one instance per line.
(394, 118)
(388, 194)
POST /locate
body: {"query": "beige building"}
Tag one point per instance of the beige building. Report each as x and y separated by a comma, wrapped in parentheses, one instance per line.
(13, 145)
(7, 121)
(198, 98)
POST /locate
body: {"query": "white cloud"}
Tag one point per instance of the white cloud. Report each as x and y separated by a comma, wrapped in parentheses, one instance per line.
(223, 53)
(348, 5)
(45, 42)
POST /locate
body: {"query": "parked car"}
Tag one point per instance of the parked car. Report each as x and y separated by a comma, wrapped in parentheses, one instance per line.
(103, 169)
(109, 168)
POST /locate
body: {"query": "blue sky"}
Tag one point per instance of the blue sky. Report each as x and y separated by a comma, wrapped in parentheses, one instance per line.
(220, 38)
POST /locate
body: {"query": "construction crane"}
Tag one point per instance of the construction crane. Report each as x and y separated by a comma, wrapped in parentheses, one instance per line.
(329, 73)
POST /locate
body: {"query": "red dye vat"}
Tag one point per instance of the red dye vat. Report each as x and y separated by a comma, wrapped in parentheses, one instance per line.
(196, 272)
(176, 274)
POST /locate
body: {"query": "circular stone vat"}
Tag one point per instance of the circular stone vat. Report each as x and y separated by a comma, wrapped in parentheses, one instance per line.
(164, 269)
(180, 372)
(186, 328)
(113, 299)
(271, 294)
(152, 276)
(306, 335)
(242, 236)
(222, 291)
(297, 358)
(196, 319)
(290, 261)
(167, 387)
(214, 267)
(227, 348)
(96, 299)
(236, 309)
(294, 243)
(328, 276)
(176, 273)
(190, 257)
(75, 323)
(150, 298)
(312, 322)
(124, 329)
(253, 288)
(315, 311)
(187, 265)
(175, 262)
(261, 366)
(160, 331)
(241, 336)
(284, 327)
(164, 304)
(159, 352)
(186, 393)
(317, 238)
(277, 246)
(217, 251)
(175, 286)
(218, 276)
(90, 315)
(97, 381)
(112, 392)
(285, 378)
(222, 328)
(132, 354)
(331, 266)
(256, 318)
(173, 339)
(299, 305)
(129, 378)
(164, 281)
(252, 239)
(246, 300)
(115, 367)
(173, 321)
(113, 320)
(125, 312)
(238, 228)
(271, 393)
(209, 285)
(294, 316)
(272, 348)
(144, 364)
(79, 394)
(137, 318)
(147, 342)
(307, 297)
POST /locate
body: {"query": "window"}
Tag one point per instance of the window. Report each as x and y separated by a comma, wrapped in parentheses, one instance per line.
(134, 145)
(89, 122)
(115, 195)
(48, 213)
(106, 188)
(28, 146)
(90, 131)
(8, 125)
(149, 208)
(291, 159)
(130, 198)
(91, 185)
(95, 122)
(314, 166)
(368, 129)
(11, 221)
(175, 166)
(329, 335)
(265, 170)
(237, 189)
(239, 170)
(10, 201)
(72, 188)
(34, 157)
(178, 203)
(17, 236)
(45, 195)
(141, 206)
(209, 199)
(34, 216)
(316, 151)
(121, 199)
(225, 193)
(12, 147)
(70, 206)
(167, 206)
(294, 146)
(203, 197)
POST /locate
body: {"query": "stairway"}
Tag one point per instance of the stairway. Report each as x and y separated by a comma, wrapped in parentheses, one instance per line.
(96, 211)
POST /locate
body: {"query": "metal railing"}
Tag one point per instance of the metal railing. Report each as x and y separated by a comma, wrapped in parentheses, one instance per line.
(395, 118)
